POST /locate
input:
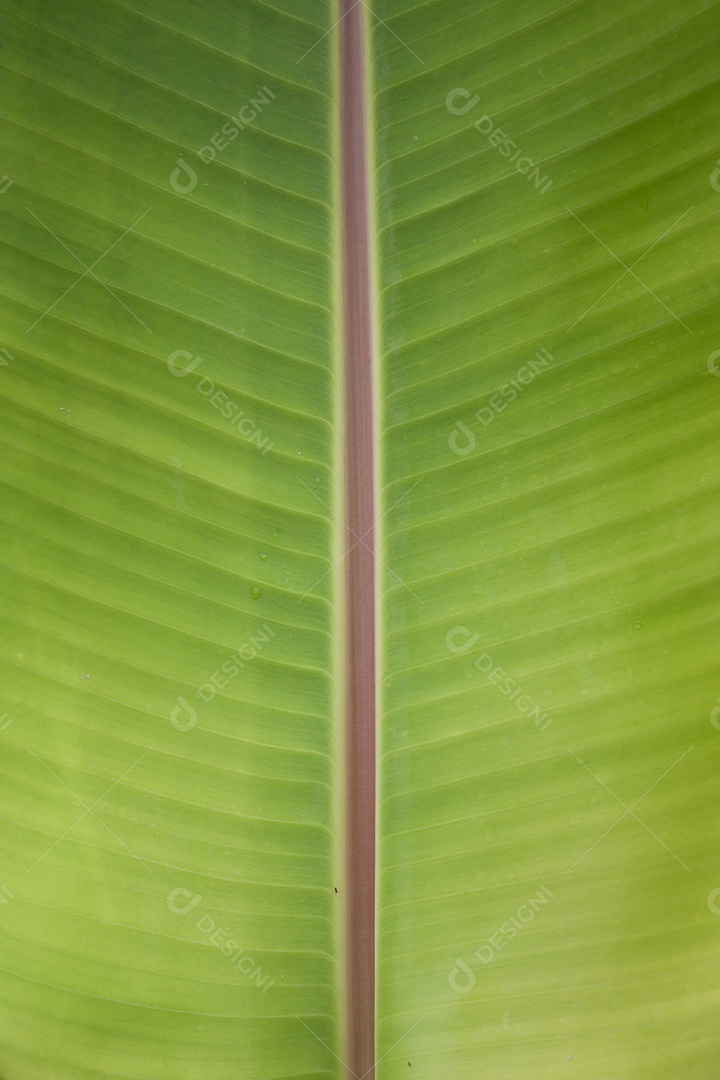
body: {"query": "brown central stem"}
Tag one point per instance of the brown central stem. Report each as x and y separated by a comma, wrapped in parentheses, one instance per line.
(360, 540)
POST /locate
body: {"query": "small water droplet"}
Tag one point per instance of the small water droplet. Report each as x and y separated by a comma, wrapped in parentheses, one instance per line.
(276, 532)
(299, 453)
(263, 556)
(638, 625)
(256, 592)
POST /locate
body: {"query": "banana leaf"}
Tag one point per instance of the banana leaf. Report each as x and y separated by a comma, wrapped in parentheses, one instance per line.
(544, 191)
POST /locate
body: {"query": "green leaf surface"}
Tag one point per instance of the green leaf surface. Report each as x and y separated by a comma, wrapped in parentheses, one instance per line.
(161, 525)
(549, 769)
(172, 636)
